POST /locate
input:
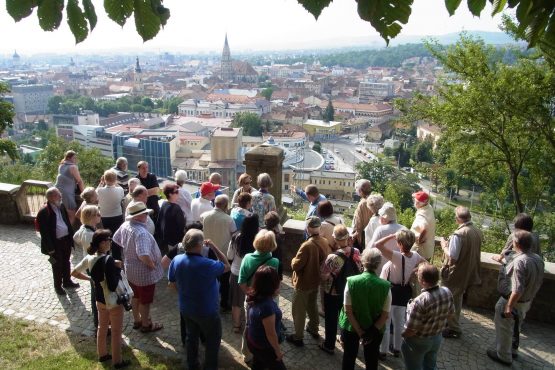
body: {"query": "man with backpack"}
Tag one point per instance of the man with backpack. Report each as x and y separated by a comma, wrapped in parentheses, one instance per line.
(56, 239)
(339, 265)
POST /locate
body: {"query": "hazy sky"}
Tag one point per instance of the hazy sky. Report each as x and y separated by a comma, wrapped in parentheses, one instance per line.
(250, 24)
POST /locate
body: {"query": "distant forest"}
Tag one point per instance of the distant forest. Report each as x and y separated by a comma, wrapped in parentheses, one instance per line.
(385, 57)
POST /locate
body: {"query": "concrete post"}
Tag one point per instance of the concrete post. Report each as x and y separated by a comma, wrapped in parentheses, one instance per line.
(269, 159)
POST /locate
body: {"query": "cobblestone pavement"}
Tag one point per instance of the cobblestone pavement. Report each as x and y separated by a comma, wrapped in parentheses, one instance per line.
(26, 292)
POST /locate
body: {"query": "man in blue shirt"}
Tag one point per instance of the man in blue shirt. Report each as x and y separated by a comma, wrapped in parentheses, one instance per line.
(196, 279)
(312, 195)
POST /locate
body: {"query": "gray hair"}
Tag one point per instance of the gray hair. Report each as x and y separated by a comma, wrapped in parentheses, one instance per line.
(371, 258)
(180, 177)
(364, 186)
(221, 201)
(214, 176)
(120, 161)
(264, 180)
(192, 239)
(88, 193)
(375, 202)
(133, 183)
(463, 213)
(51, 192)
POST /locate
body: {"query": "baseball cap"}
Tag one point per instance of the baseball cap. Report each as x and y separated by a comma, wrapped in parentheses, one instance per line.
(208, 187)
(388, 212)
(421, 196)
(313, 222)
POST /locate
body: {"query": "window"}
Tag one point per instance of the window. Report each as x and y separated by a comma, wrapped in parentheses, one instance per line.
(286, 178)
(286, 187)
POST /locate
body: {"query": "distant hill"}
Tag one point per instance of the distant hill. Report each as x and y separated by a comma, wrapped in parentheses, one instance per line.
(495, 38)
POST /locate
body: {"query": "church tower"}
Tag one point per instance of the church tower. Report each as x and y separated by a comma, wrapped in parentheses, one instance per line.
(138, 86)
(226, 68)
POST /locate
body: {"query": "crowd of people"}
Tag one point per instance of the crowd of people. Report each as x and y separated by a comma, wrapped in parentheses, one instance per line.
(376, 284)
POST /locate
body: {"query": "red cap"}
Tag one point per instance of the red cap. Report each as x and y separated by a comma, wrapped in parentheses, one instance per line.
(421, 196)
(208, 187)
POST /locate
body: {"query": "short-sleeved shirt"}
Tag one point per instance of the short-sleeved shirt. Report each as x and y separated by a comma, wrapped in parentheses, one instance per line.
(238, 215)
(196, 278)
(109, 200)
(251, 262)
(395, 269)
(100, 269)
(149, 182)
(427, 314)
(348, 302)
(136, 241)
(257, 312)
(262, 203)
(381, 232)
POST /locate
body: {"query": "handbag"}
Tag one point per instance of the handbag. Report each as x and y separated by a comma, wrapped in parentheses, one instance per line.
(400, 293)
(123, 293)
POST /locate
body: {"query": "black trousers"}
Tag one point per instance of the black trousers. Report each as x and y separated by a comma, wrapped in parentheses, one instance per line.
(61, 265)
(264, 358)
(112, 224)
(332, 306)
(224, 290)
(350, 350)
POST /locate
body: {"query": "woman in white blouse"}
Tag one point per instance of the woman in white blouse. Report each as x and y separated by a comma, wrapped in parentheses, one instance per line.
(110, 196)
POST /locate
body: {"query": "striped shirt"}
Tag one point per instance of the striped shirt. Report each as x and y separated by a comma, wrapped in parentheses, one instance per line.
(136, 241)
(427, 314)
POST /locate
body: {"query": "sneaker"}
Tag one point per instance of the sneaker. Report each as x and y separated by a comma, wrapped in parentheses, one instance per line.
(448, 333)
(329, 351)
(291, 339)
(493, 355)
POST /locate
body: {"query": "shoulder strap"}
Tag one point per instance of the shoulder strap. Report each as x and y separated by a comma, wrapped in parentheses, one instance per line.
(344, 258)
(262, 264)
(403, 270)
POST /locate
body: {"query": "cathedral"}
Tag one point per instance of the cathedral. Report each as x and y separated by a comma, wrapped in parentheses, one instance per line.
(235, 70)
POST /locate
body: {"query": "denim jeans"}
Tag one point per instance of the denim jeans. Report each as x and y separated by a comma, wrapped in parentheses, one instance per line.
(421, 352)
(350, 351)
(211, 328)
(332, 306)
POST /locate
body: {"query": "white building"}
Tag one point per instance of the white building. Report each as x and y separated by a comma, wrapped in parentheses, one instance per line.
(219, 109)
(94, 137)
(372, 91)
(32, 99)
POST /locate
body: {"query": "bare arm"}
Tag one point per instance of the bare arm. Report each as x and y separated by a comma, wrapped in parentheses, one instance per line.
(77, 176)
(244, 287)
(353, 320)
(166, 262)
(221, 256)
(269, 324)
(80, 275)
(380, 244)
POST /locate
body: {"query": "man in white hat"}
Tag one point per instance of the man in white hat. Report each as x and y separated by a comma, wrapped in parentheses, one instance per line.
(142, 261)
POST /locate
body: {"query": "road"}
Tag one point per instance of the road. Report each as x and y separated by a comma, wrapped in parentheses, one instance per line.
(346, 156)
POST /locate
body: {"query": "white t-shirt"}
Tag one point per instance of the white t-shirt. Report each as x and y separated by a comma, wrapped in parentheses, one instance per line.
(394, 267)
(198, 207)
(381, 232)
(373, 224)
(109, 200)
(184, 201)
(347, 299)
(87, 263)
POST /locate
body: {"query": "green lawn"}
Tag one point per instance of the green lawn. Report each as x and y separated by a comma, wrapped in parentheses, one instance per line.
(26, 345)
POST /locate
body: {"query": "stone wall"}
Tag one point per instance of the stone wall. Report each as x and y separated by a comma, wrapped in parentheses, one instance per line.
(483, 296)
(9, 213)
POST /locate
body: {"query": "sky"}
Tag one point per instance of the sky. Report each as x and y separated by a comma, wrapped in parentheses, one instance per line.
(200, 25)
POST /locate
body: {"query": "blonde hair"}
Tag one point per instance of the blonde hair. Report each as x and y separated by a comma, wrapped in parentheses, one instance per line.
(88, 193)
(374, 202)
(265, 241)
(88, 214)
(244, 178)
(110, 177)
(405, 238)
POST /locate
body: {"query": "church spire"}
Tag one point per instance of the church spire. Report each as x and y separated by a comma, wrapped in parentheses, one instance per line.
(226, 67)
(137, 66)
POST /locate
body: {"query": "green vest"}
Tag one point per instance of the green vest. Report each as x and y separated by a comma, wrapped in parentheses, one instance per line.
(368, 293)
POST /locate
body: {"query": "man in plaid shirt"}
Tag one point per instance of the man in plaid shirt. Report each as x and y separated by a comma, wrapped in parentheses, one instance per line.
(426, 318)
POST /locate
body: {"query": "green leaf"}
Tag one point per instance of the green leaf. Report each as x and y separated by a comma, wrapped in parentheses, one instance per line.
(452, 5)
(76, 21)
(476, 6)
(50, 14)
(315, 7)
(498, 6)
(536, 28)
(90, 13)
(162, 12)
(385, 15)
(522, 12)
(19, 9)
(119, 10)
(147, 22)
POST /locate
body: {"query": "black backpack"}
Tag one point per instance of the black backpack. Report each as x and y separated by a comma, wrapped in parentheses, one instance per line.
(349, 268)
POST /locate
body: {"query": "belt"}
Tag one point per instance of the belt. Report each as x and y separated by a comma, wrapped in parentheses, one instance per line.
(506, 296)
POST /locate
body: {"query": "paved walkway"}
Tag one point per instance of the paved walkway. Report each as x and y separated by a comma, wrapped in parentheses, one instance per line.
(26, 292)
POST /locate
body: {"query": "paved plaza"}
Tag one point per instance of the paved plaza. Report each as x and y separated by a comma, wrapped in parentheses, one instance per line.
(26, 292)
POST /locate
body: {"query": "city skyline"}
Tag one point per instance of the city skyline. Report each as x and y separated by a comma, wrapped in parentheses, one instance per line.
(287, 26)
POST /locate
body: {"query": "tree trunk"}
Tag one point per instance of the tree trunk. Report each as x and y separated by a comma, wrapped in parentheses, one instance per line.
(519, 207)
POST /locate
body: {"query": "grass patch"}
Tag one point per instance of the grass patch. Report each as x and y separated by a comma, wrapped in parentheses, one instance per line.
(26, 345)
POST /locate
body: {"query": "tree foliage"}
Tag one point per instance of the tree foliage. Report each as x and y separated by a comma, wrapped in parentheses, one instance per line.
(267, 93)
(329, 112)
(490, 113)
(536, 18)
(75, 103)
(7, 147)
(250, 122)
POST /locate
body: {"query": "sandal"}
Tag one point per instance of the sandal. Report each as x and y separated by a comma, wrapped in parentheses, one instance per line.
(137, 325)
(154, 326)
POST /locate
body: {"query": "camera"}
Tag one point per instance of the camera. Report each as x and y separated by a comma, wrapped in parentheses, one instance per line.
(124, 300)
